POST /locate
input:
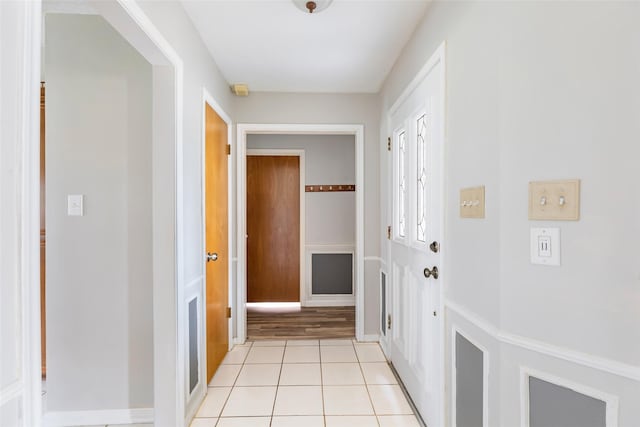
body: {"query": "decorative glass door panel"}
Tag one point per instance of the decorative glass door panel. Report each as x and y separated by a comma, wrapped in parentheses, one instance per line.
(421, 185)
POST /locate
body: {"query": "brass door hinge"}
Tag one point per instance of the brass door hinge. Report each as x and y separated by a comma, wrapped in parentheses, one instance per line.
(228, 149)
(389, 144)
(388, 321)
(389, 232)
(228, 312)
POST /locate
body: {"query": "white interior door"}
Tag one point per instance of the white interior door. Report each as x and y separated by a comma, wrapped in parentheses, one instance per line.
(415, 341)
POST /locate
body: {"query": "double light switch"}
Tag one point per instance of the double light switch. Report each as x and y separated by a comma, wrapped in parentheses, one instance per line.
(554, 200)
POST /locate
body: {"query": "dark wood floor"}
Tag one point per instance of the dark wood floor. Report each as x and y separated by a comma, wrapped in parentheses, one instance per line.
(300, 323)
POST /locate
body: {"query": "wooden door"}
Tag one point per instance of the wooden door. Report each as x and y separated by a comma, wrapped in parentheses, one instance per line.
(273, 228)
(417, 129)
(217, 243)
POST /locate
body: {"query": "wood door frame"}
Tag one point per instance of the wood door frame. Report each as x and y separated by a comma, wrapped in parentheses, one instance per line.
(302, 208)
(169, 324)
(244, 129)
(198, 287)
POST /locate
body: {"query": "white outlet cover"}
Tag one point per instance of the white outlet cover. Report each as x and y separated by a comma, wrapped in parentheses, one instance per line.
(545, 246)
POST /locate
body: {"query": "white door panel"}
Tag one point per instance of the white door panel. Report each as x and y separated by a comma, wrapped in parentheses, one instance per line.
(415, 342)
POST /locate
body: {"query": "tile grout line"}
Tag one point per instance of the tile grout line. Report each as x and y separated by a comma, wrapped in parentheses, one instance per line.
(234, 384)
(405, 392)
(375, 414)
(275, 398)
(324, 412)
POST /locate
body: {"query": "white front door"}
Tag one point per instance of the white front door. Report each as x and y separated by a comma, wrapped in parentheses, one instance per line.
(415, 335)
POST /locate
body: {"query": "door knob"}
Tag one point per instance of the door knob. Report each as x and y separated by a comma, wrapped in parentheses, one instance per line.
(212, 256)
(431, 273)
(435, 247)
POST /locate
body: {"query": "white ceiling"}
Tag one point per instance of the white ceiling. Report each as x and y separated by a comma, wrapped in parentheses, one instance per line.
(273, 46)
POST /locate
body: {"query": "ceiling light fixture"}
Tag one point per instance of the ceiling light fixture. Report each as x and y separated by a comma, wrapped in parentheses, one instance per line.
(312, 6)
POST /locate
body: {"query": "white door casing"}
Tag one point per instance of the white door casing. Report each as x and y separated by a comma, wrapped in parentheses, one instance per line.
(298, 129)
(19, 217)
(415, 339)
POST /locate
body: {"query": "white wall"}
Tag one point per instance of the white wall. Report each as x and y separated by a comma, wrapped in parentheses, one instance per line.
(99, 266)
(263, 107)
(200, 71)
(535, 91)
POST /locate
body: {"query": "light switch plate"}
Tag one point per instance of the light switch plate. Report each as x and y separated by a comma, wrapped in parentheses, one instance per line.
(545, 246)
(75, 204)
(555, 200)
(472, 202)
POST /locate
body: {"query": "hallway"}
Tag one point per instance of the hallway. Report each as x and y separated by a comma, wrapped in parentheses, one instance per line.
(305, 383)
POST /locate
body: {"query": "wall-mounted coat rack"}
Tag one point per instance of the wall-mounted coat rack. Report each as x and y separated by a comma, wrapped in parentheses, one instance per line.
(329, 188)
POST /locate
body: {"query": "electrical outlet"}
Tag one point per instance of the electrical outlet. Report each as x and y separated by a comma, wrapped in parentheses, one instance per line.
(545, 246)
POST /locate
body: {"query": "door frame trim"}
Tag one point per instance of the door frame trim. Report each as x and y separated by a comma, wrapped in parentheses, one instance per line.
(244, 129)
(27, 383)
(195, 398)
(303, 235)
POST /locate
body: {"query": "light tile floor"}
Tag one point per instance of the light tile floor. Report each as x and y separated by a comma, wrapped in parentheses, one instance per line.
(305, 383)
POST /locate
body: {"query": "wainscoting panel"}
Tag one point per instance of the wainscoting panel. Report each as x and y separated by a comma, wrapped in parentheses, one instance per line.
(554, 405)
(194, 369)
(469, 383)
(330, 275)
(195, 357)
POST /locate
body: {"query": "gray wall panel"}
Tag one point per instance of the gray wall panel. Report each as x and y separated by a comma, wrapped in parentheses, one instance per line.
(193, 344)
(331, 274)
(469, 383)
(551, 405)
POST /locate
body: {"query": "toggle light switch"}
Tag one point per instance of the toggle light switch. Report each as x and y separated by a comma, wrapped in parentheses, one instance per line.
(472, 202)
(75, 204)
(554, 200)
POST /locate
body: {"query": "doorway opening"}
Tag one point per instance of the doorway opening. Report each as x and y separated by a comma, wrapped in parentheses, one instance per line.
(156, 208)
(99, 242)
(300, 198)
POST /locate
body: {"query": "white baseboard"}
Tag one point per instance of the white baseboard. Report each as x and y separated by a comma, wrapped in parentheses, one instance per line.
(330, 301)
(238, 341)
(90, 418)
(370, 338)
